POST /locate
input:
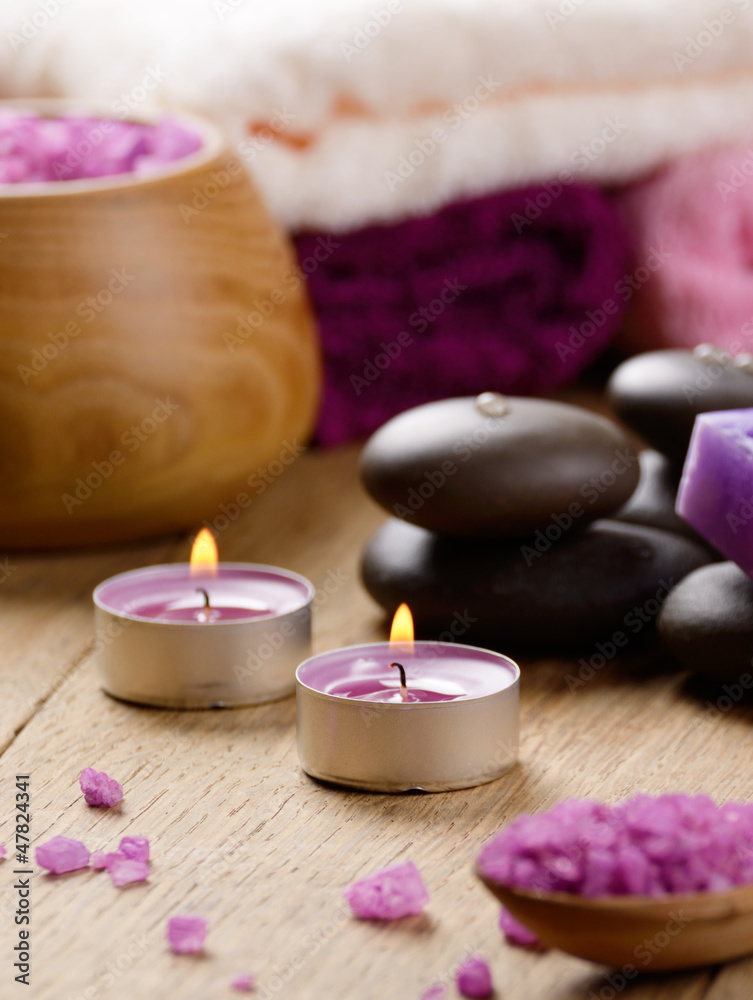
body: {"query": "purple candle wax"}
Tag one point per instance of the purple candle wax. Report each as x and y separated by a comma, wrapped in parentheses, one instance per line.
(178, 638)
(435, 672)
(238, 592)
(454, 726)
(716, 491)
(388, 691)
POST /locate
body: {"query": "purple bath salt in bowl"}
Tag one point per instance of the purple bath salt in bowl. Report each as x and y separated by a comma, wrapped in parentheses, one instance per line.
(644, 846)
(36, 148)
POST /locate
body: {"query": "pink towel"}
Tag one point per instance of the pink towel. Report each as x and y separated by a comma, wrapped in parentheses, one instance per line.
(692, 231)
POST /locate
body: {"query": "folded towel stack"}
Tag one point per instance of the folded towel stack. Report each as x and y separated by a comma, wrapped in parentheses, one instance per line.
(358, 113)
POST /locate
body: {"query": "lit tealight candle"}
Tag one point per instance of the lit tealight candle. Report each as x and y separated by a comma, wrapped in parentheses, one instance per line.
(449, 719)
(202, 634)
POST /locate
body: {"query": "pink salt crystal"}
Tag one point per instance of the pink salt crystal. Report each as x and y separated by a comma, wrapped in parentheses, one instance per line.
(474, 978)
(244, 982)
(99, 788)
(62, 854)
(135, 847)
(650, 846)
(186, 933)
(437, 991)
(517, 933)
(99, 861)
(3, 852)
(123, 871)
(113, 857)
(34, 148)
(395, 892)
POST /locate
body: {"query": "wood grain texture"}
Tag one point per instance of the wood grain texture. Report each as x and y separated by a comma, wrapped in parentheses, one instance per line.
(239, 834)
(156, 344)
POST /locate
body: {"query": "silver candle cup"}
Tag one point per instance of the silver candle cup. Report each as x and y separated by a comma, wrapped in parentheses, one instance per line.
(393, 747)
(193, 664)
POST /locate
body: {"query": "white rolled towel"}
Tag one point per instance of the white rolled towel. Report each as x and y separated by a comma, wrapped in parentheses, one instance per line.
(355, 111)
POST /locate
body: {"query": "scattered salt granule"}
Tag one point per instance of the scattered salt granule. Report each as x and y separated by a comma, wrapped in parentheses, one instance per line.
(125, 870)
(99, 861)
(517, 933)
(244, 982)
(644, 846)
(99, 788)
(389, 894)
(135, 847)
(34, 148)
(62, 854)
(186, 933)
(437, 991)
(3, 852)
(474, 978)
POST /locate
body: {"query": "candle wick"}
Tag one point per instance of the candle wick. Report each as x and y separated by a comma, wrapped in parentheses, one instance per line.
(204, 615)
(403, 682)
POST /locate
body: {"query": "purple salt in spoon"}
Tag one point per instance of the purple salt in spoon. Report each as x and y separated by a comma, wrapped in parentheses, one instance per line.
(614, 925)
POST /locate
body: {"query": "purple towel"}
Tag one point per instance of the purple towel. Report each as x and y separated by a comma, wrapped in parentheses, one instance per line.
(515, 293)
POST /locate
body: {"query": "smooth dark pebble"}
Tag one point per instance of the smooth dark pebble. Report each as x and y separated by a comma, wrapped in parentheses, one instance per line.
(653, 502)
(659, 394)
(707, 622)
(590, 584)
(449, 467)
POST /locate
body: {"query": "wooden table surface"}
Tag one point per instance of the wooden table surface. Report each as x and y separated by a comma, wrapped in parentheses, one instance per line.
(242, 836)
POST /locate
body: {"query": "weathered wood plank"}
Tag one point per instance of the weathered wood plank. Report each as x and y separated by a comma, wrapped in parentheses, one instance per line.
(241, 835)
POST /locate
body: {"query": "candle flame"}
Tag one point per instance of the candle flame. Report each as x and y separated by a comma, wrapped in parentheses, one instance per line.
(401, 633)
(204, 554)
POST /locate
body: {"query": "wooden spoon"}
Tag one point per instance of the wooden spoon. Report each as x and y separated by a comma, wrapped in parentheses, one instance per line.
(649, 934)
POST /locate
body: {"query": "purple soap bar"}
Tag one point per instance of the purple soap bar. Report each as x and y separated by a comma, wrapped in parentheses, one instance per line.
(716, 492)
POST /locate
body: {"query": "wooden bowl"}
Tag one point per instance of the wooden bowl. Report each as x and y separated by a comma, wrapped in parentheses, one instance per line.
(158, 349)
(652, 935)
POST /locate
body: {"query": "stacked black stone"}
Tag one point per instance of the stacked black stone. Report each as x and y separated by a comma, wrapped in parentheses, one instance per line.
(505, 525)
(707, 621)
